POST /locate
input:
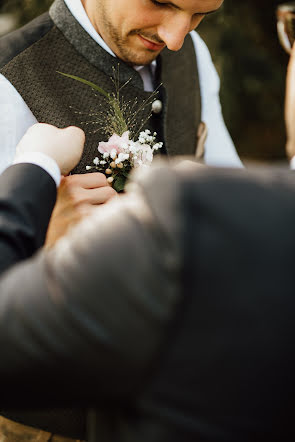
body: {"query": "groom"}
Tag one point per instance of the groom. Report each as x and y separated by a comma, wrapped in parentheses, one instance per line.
(152, 42)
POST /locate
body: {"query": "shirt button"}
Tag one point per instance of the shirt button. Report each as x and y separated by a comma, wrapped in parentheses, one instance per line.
(157, 106)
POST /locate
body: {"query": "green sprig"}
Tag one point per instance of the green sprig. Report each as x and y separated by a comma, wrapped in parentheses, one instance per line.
(120, 125)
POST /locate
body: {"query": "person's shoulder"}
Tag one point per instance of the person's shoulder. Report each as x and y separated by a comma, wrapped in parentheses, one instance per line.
(18, 41)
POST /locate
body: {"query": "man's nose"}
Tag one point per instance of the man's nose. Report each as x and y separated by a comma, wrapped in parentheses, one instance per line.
(174, 31)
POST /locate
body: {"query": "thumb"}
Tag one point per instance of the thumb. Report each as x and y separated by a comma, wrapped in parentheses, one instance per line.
(73, 139)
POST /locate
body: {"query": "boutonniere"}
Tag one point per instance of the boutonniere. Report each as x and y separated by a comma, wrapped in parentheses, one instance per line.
(124, 150)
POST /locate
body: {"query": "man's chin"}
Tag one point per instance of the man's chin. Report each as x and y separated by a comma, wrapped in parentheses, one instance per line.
(136, 56)
(140, 59)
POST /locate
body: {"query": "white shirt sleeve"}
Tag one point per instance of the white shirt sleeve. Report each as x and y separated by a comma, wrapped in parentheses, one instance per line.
(219, 147)
(292, 163)
(15, 120)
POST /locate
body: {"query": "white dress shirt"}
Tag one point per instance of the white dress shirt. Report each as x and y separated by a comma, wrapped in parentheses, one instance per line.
(16, 117)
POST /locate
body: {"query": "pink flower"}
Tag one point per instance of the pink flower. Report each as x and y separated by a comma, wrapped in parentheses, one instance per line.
(117, 143)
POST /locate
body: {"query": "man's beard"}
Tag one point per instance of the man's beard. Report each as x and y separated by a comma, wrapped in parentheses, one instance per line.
(129, 56)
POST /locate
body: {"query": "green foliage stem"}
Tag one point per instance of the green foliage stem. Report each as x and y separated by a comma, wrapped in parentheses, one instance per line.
(114, 101)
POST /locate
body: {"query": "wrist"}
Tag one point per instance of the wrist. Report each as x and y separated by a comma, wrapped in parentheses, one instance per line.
(42, 160)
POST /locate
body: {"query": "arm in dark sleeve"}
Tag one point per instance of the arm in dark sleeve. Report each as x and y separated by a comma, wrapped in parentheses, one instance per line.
(27, 198)
(83, 321)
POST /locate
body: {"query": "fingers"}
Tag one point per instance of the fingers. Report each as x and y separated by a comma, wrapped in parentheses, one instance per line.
(75, 135)
(88, 180)
(91, 189)
(99, 196)
(72, 140)
(77, 196)
(291, 70)
(64, 146)
(75, 132)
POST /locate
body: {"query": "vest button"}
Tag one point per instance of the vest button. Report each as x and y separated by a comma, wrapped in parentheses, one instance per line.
(157, 106)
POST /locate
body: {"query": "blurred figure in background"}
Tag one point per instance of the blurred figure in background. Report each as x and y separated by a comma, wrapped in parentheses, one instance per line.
(178, 315)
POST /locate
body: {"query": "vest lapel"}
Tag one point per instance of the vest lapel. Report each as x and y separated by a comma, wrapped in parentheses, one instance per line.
(88, 48)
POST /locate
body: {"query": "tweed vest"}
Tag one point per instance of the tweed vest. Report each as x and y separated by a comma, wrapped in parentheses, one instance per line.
(55, 41)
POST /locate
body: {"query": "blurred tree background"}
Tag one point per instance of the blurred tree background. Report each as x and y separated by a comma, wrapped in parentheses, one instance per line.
(243, 42)
(252, 66)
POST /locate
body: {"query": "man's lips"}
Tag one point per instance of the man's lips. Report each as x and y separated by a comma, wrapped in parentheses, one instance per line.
(151, 45)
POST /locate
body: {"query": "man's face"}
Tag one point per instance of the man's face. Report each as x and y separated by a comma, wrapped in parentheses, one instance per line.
(138, 30)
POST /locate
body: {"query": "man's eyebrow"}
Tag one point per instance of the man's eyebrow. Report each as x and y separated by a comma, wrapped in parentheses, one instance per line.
(207, 13)
(197, 13)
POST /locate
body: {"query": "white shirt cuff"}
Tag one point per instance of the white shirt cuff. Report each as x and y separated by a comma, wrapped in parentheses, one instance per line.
(292, 163)
(42, 160)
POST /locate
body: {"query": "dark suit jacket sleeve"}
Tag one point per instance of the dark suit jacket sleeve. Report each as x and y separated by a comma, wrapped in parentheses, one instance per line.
(27, 197)
(84, 321)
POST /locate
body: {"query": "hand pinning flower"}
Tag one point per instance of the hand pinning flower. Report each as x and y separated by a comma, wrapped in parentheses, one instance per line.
(120, 155)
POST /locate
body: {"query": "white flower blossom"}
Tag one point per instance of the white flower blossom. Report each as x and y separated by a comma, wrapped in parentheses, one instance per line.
(134, 147)
(137, 163)
(146, 137)
(120, 152)
(113, 154)
(157, 146)
(123, 156)
(145, 156)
